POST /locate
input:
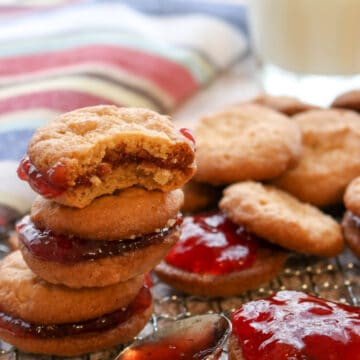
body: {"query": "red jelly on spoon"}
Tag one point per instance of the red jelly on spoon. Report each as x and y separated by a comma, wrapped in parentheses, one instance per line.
(212, 244)
(294, 325)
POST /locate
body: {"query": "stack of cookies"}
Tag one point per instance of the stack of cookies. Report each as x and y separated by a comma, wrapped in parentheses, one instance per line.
(107, 213)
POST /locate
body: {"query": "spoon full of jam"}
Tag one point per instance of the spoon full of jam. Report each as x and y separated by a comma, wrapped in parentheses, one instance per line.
(196, 338)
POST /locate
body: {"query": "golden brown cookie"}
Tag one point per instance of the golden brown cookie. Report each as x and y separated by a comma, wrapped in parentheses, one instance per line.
(41, 318)
(245, 142)
(351, 230)
(129, 213)
(140, 256)
(349, 100)
(24, 295)
(282, 219)
(94, 151)
(199, 196)
(284, 104)
(331, 157)
(351, 220)
(268, 264)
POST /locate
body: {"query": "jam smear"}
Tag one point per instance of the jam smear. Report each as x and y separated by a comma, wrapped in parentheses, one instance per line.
(297, 326)
(196, 338)
(188, 134)
(47, 245)
(212, 244)
(49, 185)
(22, 328)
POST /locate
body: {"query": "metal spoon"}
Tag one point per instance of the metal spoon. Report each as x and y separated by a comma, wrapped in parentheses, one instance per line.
(195, 338)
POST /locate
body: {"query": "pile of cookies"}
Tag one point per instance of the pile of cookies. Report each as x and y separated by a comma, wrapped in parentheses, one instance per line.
(107, 213)
(281, 161)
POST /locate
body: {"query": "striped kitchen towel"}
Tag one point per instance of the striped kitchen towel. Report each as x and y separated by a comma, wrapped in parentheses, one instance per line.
(79, 53)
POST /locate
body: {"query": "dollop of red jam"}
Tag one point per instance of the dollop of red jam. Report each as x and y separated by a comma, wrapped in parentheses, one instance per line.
(46, 245)
(212, 244)
(297, 326)
(21, 328)
(188, 134)
(49, 185)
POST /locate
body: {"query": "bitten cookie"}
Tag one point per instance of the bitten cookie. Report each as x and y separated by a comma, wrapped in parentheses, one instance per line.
(94, 151)
(129, 213)
(282, 219)
(245, 142)
(215, 257)
(331, 157)
(349, 100)
(42, 318)
(351, 221)
(284, 104)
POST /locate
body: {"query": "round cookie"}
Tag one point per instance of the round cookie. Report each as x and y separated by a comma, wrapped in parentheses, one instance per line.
(281, 219)
(245, 142)
(128, 213)
(351, 220)
(24, 295)
(199, 196)
(284, 104)
(352, 196)
(331, 157)
(126, 311)
(96, 150)
(104, 271)
(268, 264)
(349, 100)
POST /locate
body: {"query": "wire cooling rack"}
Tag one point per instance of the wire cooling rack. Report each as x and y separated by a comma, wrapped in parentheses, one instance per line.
(335, 279)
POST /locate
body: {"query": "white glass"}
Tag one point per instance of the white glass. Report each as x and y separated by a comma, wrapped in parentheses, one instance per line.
(307, 48)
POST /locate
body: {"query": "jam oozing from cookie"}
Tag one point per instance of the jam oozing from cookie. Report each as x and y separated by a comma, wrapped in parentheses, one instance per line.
(19, 327)
(212, 244)
(51, 184)
(294, 325)
(188, 134)
(46, 245)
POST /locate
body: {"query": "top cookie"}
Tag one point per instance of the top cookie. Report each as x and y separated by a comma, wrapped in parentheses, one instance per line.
(352, 197)
(281, 219)
(331, 156)
(94, 151)
(349, 100)
(245, 142)
(284, 104)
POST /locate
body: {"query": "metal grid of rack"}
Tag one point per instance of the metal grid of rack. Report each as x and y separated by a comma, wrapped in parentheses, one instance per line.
(334, 279)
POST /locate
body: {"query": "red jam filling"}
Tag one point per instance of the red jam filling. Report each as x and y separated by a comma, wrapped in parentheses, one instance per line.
(18, 327)
(212, 244)
(188, 134)
(297, 326)
(47, 245)
(49, 185)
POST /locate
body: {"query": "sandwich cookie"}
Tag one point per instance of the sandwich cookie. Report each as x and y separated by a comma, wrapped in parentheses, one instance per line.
(349, 100)
(114, 239)
(351, 221)
(39, 317)
(94, 151)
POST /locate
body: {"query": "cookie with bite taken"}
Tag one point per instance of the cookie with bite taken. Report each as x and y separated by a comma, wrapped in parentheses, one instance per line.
(95, 151)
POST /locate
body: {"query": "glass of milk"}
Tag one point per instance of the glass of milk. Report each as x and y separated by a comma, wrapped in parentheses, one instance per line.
(307, 48)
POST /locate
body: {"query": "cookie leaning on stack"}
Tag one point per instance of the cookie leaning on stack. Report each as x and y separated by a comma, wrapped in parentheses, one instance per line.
(110, 176)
